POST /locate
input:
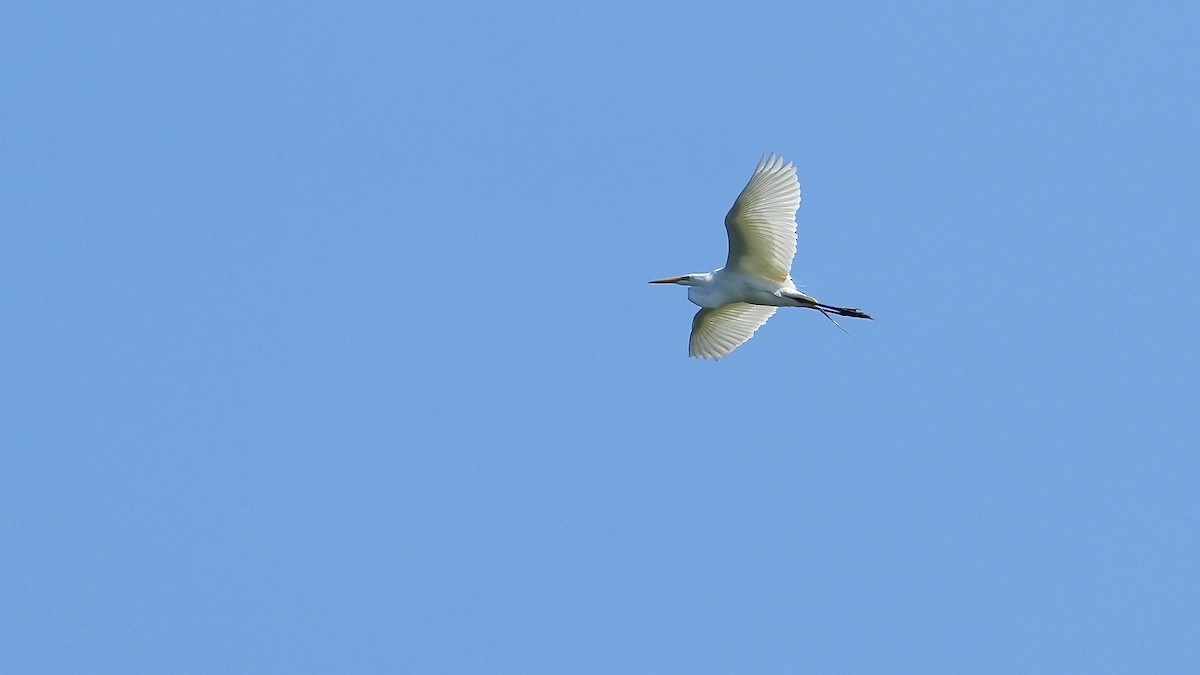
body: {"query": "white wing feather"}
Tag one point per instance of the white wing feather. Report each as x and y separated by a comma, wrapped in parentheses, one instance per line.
(762, 223)
(716, 332)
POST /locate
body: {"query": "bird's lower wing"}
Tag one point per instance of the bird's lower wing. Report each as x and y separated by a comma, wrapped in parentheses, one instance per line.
(716, 332)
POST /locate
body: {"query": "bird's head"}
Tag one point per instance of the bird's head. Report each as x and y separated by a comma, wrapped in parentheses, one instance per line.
(685, 280)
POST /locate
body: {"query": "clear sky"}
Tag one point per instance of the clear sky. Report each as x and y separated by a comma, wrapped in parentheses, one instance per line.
(326, 343)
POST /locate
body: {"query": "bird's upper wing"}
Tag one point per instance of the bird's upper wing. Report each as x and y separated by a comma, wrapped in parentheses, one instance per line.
(716, 332)
(762, 222)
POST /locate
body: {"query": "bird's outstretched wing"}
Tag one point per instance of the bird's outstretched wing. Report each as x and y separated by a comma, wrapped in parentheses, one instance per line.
(716, 332)
(762, 223)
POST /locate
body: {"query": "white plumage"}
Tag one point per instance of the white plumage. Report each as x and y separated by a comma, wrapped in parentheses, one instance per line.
(739, 298)
(716, 332)
(762, 222)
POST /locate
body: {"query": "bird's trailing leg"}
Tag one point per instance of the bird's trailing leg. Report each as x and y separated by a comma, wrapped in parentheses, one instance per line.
(805, 300)
(843, 311)
(826, 310)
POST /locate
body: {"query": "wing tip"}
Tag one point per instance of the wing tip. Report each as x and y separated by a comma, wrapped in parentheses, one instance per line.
(773, 162)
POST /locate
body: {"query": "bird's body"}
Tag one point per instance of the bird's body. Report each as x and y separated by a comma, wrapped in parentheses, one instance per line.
(723, 287)
(738, 298)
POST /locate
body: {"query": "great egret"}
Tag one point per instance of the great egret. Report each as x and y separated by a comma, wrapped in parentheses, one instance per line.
(756, 279)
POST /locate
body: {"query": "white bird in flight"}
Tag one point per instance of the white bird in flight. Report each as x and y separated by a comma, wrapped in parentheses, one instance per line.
(738, 298)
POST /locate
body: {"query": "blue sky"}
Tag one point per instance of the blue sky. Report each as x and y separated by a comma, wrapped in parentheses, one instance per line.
(327, 345)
